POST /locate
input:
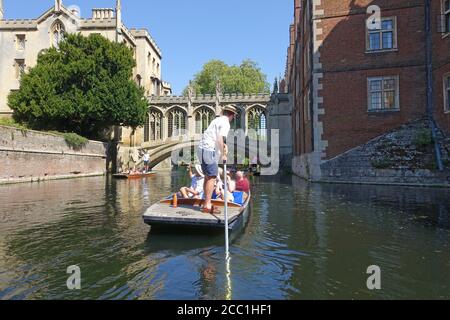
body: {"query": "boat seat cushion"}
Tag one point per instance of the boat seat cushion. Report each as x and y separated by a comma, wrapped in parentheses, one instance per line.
(239, 197)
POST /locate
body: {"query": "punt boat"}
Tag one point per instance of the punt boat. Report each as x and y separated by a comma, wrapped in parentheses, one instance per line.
(125, 176)
(187, 214)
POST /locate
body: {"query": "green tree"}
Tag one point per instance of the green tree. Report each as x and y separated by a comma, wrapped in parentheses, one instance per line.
(246, 78)
(84, 86)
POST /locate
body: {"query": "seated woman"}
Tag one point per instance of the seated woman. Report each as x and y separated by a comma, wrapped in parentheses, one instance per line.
(242, 183)
(220, 190)
(195, 191)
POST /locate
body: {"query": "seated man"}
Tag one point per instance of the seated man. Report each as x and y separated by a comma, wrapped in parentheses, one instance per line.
(197, 181)
(242, 183)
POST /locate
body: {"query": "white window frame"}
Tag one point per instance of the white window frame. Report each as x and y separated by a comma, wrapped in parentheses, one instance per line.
(397, 94)
(380, 32)
(445, 13)
(446, 92)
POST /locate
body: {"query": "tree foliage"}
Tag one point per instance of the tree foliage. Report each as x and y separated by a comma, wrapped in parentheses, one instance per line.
(246, 78)
(84, 86)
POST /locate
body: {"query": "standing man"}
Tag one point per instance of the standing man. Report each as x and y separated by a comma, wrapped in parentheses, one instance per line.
(146, 161)
(213, 147)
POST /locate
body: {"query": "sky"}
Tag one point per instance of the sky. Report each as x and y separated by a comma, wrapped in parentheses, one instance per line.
(192, 32)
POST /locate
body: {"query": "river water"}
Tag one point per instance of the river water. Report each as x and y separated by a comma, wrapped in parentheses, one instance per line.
(303, 241)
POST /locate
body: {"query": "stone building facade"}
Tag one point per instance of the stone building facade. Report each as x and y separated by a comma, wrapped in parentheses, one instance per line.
(22, 40)
(351, 84)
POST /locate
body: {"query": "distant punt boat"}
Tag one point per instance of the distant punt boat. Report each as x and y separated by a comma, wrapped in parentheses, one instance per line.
(125, 176)
(187, 214)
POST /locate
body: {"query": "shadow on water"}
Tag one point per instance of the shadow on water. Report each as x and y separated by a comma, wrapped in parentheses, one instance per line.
(160, 240)
(427, 206)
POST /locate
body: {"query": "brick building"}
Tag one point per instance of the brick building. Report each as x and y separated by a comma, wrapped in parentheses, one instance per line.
(351, 84)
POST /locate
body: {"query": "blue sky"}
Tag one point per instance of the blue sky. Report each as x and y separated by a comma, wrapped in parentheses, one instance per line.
(193, 32)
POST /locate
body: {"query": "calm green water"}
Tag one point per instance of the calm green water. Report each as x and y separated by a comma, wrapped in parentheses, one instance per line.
(302, 242)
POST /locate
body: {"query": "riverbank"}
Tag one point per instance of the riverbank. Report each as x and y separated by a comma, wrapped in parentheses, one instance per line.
(33, 156)
(403, 157)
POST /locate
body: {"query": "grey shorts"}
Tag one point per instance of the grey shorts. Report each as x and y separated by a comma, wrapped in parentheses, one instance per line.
(209, 162)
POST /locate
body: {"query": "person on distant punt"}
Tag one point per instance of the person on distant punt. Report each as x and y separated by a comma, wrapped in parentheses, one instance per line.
(197, 181)
(220, 191)
(242, 183)
(146, 161)
(213, 148)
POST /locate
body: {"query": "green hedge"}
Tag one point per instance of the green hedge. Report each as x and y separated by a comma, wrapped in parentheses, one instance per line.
(75, 141)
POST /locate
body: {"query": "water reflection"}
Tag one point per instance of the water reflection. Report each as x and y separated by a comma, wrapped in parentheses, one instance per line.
(302, 241)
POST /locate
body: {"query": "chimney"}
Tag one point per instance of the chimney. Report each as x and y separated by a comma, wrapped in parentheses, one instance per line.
(1, 9)
(102, 14)
(58, 5)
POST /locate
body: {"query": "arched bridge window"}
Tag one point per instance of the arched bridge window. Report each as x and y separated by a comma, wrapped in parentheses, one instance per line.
(153, 126)
(177, 122)
(257, 120)
(203, 118)
(236, 123)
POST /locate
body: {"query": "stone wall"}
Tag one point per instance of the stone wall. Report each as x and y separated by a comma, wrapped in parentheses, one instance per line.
(280, 118)
(394, 158)
(28, 156)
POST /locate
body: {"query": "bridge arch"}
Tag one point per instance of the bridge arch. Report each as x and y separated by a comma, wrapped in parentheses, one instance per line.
(203, 106)
(175, 106)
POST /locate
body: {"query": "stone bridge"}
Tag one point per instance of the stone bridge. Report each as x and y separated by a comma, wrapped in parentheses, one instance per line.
(177, 122)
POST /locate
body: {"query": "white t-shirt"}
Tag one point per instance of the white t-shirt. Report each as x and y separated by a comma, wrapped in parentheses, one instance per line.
(219, 128)
(146, 157)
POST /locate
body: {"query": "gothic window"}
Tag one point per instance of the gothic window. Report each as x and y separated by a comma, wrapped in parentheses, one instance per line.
(58, 32)
(20, 68)
(236, 123)
(139, 80)
(203, 119)
(20, 42)
(177, 122)
(147, 129)
(155, 125)
(257, 120)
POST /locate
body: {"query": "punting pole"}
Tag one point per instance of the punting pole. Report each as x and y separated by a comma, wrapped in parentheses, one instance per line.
(227, 245)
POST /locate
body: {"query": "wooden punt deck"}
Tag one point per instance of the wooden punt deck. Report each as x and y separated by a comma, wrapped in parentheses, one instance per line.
(188, 213)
